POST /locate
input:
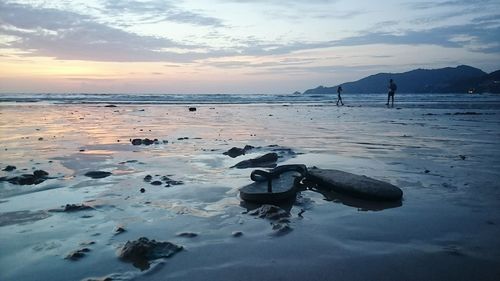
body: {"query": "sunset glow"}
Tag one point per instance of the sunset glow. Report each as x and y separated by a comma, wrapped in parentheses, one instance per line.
(231, 46)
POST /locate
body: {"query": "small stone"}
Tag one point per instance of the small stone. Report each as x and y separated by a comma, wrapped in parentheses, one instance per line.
(463, 157)
(40, 173)
(148, 178)
(187, 234)
(427, 171)
(237, 234)
(156, 183)
(119, 230)
(9, 168)
(142, 190)
(192, 109)
(40, 139)
(78, 254)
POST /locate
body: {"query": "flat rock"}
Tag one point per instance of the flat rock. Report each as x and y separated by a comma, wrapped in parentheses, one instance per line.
(97, 174)
(354, 185)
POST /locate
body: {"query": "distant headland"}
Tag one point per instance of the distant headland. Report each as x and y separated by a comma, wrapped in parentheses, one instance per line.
(460, 79)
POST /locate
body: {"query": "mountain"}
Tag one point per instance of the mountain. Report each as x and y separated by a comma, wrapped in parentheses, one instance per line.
(444, 80)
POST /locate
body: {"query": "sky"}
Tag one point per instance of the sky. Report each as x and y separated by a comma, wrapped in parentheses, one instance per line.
(235, 46)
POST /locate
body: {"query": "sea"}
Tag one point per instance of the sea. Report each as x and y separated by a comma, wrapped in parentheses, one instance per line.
(430, 100)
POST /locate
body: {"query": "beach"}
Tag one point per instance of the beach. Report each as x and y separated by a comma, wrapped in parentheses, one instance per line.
(444, 155)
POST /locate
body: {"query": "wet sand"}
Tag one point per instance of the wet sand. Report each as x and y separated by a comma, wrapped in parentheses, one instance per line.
(446, 161)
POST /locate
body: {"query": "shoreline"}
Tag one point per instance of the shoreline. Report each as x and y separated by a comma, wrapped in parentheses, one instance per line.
(445, 228)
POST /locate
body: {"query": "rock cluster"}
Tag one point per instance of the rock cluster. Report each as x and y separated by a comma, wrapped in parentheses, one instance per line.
(236, 151)
(145, 141)
(162, 180)
(37, 177)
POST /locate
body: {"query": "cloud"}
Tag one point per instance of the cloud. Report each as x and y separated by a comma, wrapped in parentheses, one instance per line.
(452, 3)
(71, 36)
(484, 39)
(158, 11)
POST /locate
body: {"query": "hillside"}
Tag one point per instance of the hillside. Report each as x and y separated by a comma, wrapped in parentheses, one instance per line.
(443, 80)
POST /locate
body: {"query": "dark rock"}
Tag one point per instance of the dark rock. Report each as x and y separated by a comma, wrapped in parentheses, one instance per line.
(156, 183)
(37, 177)
(40, 139)
(142, 190)
(170, 181)
(234, 152)
(147, 141)
(9, 168)
(78, 254)
(40, 173)
(187, 234)
(266, 160)
(143, 250)
(148, 178)
(110, 105)
(192, 109)
(237, 234)
(136, 142)
(25, 179)
(76, 207)
(248, 147)
(97, 174)
(463, 157)
(271, 212)
(183, 138)
(355, 185)
(119, 230)
(427, 171)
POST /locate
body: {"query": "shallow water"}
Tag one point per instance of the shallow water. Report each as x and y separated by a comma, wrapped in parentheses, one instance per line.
(445, 229)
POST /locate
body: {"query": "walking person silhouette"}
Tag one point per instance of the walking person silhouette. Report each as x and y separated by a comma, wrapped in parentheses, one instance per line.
(339, 98)
(392, 90)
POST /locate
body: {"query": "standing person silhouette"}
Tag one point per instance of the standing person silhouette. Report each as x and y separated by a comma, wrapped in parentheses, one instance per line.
(392, 90)
(339, 98)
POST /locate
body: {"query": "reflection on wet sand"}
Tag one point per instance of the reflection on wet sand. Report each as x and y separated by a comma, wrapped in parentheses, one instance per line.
(360, 204)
